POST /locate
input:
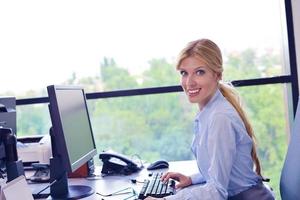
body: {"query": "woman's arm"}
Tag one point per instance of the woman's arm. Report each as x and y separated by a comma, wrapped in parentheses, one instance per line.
(221, 147)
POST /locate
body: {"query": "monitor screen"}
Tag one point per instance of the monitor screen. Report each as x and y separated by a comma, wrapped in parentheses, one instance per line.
(71, 125)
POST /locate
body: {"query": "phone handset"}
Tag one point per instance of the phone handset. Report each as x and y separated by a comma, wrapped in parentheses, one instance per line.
(114, 163)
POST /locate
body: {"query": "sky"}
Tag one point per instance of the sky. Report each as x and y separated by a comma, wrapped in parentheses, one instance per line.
(43, 42)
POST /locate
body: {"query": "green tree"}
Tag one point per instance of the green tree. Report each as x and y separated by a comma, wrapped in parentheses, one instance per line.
(32, 120)
(114, 77)
(160, 73)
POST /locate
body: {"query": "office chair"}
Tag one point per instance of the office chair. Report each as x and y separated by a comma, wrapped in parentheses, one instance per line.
(290, 174)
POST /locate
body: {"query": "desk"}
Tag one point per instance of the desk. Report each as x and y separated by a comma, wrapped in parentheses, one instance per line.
(110, 184)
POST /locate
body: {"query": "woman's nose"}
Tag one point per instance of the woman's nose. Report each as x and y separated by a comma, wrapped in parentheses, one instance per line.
(190, 81)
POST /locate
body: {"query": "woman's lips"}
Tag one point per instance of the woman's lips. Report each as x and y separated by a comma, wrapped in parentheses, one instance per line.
(193, 92)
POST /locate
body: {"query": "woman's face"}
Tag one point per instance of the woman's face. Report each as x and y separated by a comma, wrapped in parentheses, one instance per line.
(197, 80)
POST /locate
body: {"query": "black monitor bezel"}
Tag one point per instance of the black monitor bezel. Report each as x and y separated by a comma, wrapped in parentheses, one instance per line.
(58, 132)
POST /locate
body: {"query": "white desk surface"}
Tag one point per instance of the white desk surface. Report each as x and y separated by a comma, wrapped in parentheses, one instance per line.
(110, 184)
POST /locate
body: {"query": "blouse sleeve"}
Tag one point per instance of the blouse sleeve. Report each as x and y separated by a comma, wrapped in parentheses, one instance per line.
(197, 178)
(221, 146)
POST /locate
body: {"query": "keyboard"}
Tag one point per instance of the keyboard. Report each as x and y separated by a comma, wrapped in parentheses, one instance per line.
(156, 188)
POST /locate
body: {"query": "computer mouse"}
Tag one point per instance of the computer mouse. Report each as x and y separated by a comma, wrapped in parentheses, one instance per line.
(159, 164)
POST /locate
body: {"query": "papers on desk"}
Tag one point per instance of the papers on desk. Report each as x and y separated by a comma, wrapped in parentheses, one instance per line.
(16, 189)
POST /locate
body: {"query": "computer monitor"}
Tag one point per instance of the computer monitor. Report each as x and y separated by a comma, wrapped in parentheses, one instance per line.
(72, 139)
(7, 119)
(8, 116)
(13, 166)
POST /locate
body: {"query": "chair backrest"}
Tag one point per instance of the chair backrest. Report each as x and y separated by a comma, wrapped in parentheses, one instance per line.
(290, 174)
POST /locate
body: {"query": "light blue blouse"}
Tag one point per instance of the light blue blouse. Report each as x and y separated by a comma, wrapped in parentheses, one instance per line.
(222, 149)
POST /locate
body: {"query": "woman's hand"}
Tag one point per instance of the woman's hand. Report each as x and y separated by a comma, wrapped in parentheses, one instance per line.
(183, 180)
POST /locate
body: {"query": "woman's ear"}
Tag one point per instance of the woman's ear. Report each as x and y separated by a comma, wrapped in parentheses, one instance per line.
(219, 76)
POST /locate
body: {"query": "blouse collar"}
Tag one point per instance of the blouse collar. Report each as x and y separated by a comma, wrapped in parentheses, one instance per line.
(209, 104)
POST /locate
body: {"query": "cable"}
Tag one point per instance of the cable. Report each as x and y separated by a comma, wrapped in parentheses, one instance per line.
(136, 181)
(2, 173)
(136, 155)
(134, 194)
(47, 187)
(119, 192)
(58, 179)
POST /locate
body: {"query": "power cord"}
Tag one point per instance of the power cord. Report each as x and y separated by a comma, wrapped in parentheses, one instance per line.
(51, 183)
(139, 158)
(119, 192)
(136, 181)
(2, 173)
(46, 187)
(134, 194)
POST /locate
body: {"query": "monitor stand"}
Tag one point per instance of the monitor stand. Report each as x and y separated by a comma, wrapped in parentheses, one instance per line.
(60, 189)
(14, 166)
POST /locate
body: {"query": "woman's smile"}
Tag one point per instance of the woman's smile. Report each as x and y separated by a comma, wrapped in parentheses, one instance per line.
(193, 92)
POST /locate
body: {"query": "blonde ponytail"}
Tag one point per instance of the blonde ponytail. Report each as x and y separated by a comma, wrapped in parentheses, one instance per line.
(232, 96)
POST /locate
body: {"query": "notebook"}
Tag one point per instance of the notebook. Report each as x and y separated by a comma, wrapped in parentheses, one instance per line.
(16, 189)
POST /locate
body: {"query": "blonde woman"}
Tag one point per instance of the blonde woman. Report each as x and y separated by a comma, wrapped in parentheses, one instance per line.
(223, 143)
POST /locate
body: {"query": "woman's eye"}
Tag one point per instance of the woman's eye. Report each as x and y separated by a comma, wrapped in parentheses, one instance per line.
(183, 73)
(200, 72)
